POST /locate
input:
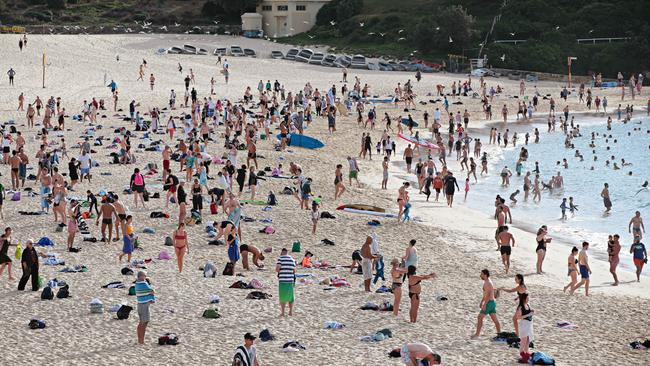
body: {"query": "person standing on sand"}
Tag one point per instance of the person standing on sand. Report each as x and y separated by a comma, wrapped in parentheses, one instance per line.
(5, 260)
(107, 211)
(585, 271)
(339, 187)
(451, 185)
(11, 73)
(152, 81)
(606, 200)
(488, 305)
(573, 269)
(408, 157)
(366, 262)
(542, 241)
(396, 274)
(384, 179)
(145, 297)
(414, 291)
(29, 262)
(636, 225)
(639, 256)
(520, 289)
(286, 269)
(613, 250)
(181, 245)
(128, 237)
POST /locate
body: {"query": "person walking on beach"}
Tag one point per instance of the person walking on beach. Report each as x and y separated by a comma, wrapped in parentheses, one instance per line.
(573, 269)
(505, 240)
(11, 73)
(414, 291)
(585, 270)
(520, 289)
(286, 269)
(639, 256)
(145, 297)
(451, 185)
(137, 186)
(488, 304)
(402, 199)
(152, 81)
(613, 250)
(5, 260)
(29, 262)
(542, 241)
(246, 354)
(606, 200)
(636, 225)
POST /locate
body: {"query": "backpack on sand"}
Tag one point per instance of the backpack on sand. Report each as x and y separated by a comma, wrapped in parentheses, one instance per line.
(47, 293)
(229, 270)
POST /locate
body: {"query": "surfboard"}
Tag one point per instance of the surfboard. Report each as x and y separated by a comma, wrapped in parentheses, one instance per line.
(361, 207)
(419, 142)
(373, 213)
(298, 140)
(405, 121)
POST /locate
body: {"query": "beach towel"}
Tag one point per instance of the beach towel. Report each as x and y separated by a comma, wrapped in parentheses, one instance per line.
(127, 271)
(164, 255)
(214, 299)
(332, 324)
(266, 336)
(149, 230)
(45, 242)
(116, 284)
(15, 196)
(241, 357)
(170, 339)
(563, 324)
(258, 295)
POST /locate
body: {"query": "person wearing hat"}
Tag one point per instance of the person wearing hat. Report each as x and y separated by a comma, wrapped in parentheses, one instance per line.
(29, 262)
(250, 350)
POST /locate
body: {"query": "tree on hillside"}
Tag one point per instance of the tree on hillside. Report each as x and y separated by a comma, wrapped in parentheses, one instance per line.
(237, 7)
(56, 4)
(339, 11)
(452, 23)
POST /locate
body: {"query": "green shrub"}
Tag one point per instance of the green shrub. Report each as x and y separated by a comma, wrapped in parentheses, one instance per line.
(56, 4)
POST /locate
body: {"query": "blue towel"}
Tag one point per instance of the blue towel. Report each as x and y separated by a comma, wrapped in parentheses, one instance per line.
(379, 268)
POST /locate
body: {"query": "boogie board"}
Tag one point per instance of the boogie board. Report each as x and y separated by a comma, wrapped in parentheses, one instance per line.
(405, 121)
(365, 212)
(419, 142)
(361, 207)
(298, 140)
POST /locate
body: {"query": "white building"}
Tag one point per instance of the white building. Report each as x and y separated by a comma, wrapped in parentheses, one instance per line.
(281, 18)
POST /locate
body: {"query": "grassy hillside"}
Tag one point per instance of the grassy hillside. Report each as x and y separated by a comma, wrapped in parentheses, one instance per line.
(549, 27)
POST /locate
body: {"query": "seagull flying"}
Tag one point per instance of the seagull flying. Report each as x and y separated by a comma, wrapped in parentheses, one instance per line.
(591, 31)
(437, 28)
(361, 24)
(400, 31)
(503, 57)
(176, 24)
(557, 27)
(451, 40)
(371, 33)
(332, 22)
(164, 28)
(311, 37)
(215, 21)
(512, 34)
(382, 34)
(400, 39)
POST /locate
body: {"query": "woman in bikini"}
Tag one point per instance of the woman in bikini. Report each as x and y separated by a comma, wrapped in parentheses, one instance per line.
(524, 316)
(542, 240)
(414, 290)
(573, 268)
(520, 289)
(396, 274)
(339, 188)
(181, 245)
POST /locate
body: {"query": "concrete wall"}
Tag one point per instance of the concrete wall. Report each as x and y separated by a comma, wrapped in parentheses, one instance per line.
(283, 23)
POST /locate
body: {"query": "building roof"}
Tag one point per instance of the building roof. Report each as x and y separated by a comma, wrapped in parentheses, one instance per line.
(252, 15)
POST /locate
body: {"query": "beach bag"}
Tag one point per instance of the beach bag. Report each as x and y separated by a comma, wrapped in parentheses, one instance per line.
(132, 291)
(45, 242)
(296, 247)
(96, 306)
(16, 196)
(169, 242)
(63, 293)
(123, 312)
(540, 358)
(19, 251)
(211, 314)
(214, 209)
(170, 339)
(127, 271)
(47, 293)
(229, 270)
(271, 201)
(36, 324)
(266, 336)
(138, 180)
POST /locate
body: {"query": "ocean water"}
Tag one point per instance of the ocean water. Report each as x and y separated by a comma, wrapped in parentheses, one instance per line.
(630, 141)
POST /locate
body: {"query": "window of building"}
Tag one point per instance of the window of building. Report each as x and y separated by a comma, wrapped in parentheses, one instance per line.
(301, 7)
(283, 7)
(267, 7)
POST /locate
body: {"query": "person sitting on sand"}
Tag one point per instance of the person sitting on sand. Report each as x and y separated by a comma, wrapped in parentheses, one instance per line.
(244, 249)
(413, 353)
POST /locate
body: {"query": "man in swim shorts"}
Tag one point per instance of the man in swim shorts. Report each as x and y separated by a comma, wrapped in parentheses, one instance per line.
(488, 305)
(636, 224)
(585, 270)
(505, 239)
(639, 255)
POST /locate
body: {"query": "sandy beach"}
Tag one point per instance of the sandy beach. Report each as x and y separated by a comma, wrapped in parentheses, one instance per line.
(456, 243)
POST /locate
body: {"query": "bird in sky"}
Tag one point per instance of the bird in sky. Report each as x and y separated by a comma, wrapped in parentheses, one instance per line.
(311, 37)
(176, 24)
(557, 27)
(451, 40)
(401, 39)
(382, 34)
(503, 57)
(512, 34)
(400, 31)
(437, 28)
(332, 22)
(215, 21)
(361, 24)
(371, 33)
(164, 28)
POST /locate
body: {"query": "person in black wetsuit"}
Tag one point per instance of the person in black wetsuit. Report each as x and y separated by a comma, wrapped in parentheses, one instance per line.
(29, 262)
(451, 185)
